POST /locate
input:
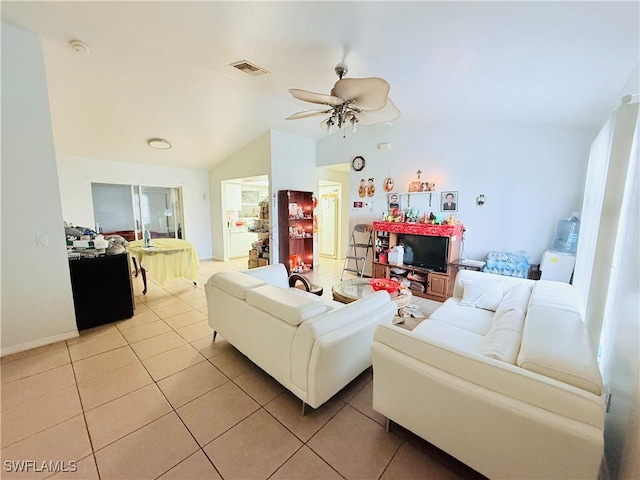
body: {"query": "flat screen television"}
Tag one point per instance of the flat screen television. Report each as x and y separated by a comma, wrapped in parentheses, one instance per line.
(425, 251)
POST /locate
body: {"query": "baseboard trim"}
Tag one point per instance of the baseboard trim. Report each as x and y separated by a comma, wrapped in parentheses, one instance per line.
(38, 343)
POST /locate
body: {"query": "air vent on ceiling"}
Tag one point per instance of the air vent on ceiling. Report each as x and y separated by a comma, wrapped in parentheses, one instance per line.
(249, 68)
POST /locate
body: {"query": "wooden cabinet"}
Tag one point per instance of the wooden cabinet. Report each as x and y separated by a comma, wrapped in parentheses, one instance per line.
(295, 230)
(379, 270)
(424, 282)
(233, 196)
(439, 285)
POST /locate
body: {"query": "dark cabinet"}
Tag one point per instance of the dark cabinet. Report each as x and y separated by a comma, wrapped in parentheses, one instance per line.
(295, 230)
(102, 290)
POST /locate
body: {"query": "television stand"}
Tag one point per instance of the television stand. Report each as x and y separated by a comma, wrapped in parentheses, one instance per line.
(423, 282)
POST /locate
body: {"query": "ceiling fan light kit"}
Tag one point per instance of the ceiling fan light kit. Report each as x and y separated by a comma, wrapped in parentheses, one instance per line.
(352, 101)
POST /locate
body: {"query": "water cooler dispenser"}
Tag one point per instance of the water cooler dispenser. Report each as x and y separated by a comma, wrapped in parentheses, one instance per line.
(557, 264)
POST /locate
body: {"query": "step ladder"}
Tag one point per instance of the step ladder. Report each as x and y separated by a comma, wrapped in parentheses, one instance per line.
(360, 243)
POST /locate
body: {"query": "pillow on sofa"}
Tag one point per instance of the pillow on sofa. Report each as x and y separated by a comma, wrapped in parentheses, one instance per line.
(502, 341)
(515, 298)
(485, 294)
(501, 344)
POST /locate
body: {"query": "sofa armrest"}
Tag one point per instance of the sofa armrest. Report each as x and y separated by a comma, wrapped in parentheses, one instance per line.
(496, 376)
(332, 348)
(272, 274)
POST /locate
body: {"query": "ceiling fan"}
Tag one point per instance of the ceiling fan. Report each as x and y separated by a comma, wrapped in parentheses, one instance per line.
(352, 101)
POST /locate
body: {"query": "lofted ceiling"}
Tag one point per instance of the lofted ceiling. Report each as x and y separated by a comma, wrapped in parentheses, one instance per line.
(161, 69)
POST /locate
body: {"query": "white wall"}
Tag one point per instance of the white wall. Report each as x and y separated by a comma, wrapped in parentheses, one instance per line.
(77, 174)
(37, 303)
(532, 176)
(252, 160)
(293, 167)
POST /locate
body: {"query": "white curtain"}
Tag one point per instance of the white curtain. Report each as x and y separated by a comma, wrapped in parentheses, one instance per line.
(601, 215)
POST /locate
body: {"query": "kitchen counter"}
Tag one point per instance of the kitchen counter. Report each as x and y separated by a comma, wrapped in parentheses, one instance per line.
(240, 240)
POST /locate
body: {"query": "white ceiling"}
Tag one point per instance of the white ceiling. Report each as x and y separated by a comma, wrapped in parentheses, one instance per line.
(161, 69)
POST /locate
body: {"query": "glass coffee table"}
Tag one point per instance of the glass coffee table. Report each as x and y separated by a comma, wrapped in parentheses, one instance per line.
(356, 288)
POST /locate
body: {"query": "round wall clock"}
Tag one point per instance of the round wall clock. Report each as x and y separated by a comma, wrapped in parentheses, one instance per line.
(358, 163)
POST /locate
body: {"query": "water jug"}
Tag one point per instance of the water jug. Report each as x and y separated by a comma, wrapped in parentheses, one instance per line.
(567, 235)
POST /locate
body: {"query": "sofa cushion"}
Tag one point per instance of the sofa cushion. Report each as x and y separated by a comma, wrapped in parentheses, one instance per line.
(285, 304)
(502, 341)
(447, 335)
(236, 284)
(475, 320)
(555, 344)
(485, 294)
(557, 295)
(515, 298)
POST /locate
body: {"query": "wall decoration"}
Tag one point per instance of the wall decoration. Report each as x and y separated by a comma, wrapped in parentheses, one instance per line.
(394, 201)
(357, 204)
(388, 184)
(414, 186)
(371, 189)
(362, 189)
(480, 200)
(428, 187)
(449, 201)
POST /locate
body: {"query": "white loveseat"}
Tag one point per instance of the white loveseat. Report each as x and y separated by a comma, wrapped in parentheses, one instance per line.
(313, 347)
(514, 393)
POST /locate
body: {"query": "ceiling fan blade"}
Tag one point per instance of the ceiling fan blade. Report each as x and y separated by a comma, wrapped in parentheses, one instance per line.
(318, 98)
(307, 114)
(374, 117)
(367, 93)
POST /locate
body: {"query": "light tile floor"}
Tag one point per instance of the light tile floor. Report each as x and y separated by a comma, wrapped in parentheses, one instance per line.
(153, 397)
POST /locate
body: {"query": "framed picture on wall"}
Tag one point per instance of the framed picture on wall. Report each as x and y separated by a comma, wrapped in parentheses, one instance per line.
(449, 201)
(414, 186)
(394, 201)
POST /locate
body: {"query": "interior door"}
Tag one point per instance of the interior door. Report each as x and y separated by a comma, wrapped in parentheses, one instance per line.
(328, 231)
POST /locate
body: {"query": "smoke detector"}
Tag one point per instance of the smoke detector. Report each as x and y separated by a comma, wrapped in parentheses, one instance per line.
(79, 47)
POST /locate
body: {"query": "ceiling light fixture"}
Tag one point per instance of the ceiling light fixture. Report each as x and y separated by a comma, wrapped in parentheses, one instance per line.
(79, 47)
(352, 101)
(159, 143)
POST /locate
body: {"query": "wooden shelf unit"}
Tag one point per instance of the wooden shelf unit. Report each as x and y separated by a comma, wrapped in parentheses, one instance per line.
(438, 286)
(295, 230)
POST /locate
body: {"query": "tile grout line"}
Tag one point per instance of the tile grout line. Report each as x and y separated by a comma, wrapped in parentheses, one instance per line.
(84, 417)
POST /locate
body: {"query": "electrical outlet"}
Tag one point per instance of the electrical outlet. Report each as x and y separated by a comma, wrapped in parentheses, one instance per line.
(42, 240)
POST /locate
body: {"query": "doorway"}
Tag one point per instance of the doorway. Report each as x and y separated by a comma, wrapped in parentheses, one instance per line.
(329, 218)
(245, 214)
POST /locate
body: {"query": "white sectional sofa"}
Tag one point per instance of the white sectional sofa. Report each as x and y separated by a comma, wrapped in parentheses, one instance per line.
(312, 347)
(501, 376)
